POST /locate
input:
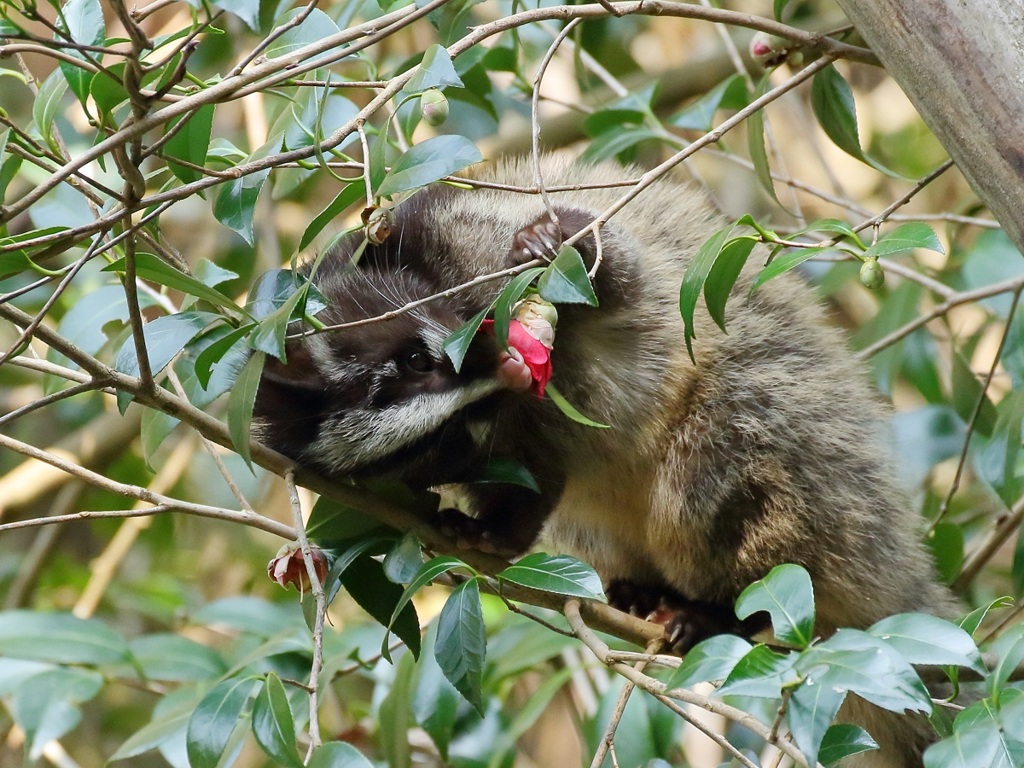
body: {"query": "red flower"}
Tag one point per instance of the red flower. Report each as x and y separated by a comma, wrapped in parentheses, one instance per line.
(527, 351)
(289, 567)
(536, 356)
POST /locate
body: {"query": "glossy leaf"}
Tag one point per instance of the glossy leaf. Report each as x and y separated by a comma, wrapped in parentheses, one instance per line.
(761, 673)
(731, 93)
(83, 21)
(427, 573)
(693, 280)
(756, 143)
(428, 162)
(247, 10)
(457, 344)
(348, 196)
(176, 658)
(507, 299)
(60, 638)
(565, 280)
(190, 143)
(435, 71)
(150, 267)
(712, 659)
(315, 27)
(462, 642)
(338, 754)
(213, 721)
(924, 639)
(365, 581)
(508, 471)
(240, 405)
(46, 705)
(272, 723)
(723, 274)
(167, 725)
(855, 661)
(905, 237)
(569, 410)
(810, 710)
(833, 105)
(561, 574)
(47, 103)
(1009, 649)
(785, 262)
(404, 560)
(787, 595)
(843, 740)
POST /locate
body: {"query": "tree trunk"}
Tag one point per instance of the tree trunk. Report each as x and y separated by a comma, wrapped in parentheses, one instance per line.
(961, 62)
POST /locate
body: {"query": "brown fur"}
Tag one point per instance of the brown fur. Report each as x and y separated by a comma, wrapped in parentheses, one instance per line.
(769, 449)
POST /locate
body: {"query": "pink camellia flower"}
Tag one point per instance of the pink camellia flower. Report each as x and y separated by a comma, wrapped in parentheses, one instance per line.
(526, 355)
(289, 567)
(536, 355)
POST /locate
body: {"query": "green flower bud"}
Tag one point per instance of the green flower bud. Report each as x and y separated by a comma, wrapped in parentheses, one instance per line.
(871, 274)
(434, 107)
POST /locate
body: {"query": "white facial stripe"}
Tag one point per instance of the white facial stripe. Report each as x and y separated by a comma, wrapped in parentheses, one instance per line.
(363, 436)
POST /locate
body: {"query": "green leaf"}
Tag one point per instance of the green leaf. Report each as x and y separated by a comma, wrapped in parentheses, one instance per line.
(980, 746)
(567, 408)
(966, 392)
(150, 267)
(83, 21)
(428, 162)
(1009, 649)
(338, 754)
(166, 726)
(435, 71)
(165, 337)
(712, 659)
(240, 405)
(222, 344)
(972, 621)
(271, 331)
(565, 280)
(842, 740)
(755, 142)
(778, 6)
(47, 103)
(175, 658)
(427, 573)
(331, 521)
(314, 28)
(508, 297)
(693, 280)
(235, 206)
(365, 581)
(905, 237)
(924, 639)
(435, 702)
(347, 197)
(46, 705)
(60, 638)
(213, 721)
(190, 143)
(761, 673)
(462, 641)
(561, 574)
(457, 344)
(833, 105)
(247, 10)
(395, 716)
(784, 263)
(811, 708)
(786, 593)
(855, 661)
(404, 560)
(508, 471)
(723, 274)
(731, 93)
(272, 723)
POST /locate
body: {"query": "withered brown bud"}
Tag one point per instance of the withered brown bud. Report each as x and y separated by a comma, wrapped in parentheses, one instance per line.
(376, 224)
(289, 567)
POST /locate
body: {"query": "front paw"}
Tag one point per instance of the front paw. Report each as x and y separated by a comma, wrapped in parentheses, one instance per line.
(472, 533)
(540, 240)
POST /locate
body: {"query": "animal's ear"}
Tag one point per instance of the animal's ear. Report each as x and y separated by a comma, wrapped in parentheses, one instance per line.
(299, 373)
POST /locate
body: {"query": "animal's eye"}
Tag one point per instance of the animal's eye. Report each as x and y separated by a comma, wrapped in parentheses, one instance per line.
(419, 361)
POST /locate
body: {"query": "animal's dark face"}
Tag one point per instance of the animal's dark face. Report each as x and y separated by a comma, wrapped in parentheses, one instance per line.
(351, 399)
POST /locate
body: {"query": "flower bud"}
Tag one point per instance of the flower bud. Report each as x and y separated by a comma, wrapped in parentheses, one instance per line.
(434, 107)
(770, 50)
(539, 318)
(871, 274)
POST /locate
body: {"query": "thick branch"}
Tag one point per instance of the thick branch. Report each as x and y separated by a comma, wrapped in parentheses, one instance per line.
(959, 62)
